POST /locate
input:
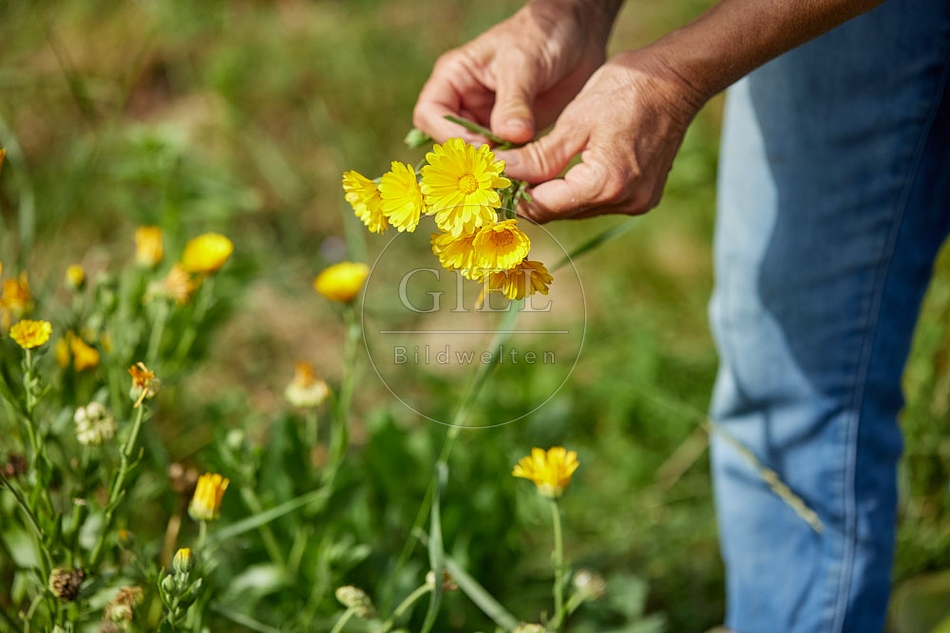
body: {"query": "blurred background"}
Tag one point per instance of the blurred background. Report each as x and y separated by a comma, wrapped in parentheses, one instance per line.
(240, 117)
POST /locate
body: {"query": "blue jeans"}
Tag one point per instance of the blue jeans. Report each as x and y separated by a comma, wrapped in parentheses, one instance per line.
(834, 199)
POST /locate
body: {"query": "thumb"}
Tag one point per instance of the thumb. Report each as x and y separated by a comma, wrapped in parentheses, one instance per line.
(546, 158)
(512, 116)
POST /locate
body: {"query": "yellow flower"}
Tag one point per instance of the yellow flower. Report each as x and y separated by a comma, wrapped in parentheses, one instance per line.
(500, 246)
(149, 246)
(341, 282)
(3, 154)
(75, 277)
(184, 561)
(459, 184)
(206, 253)
(16, 300)
(144, 383)
(84, 356)
(526, 278)
(550, 471)
(306, 390)
(206, 504)
(29, 334)
(455, 253)
(179, 285)
(363, 195)
(402, 201)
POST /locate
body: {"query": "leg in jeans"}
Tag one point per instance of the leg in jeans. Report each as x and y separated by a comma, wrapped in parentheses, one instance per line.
(834, 200)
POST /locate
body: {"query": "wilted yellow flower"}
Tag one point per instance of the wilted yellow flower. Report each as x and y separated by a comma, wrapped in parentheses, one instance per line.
(456, 253)
(550, 471)
(75, 277)
(206, 253)
(144, 383)
(65, 582)
(363, 195)
(29, 334)
(149, 246)
(179, 285)
(459, 184)
(84, 356)
(206, 504)
(402, 201)
(500, 246)
(306, 390)
(16, 300)
(341, 282)
(526, 278)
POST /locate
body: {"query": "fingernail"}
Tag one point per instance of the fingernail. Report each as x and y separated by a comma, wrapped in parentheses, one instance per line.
(517, 123)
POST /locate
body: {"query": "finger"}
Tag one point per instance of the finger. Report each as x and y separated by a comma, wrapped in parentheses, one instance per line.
(512, 117)
(547, 157)
(585, 191)
(450, 90)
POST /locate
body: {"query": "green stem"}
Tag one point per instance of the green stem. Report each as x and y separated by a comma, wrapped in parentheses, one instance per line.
(202, 537)
(343, 620)
(558, 557)
(202, 304)
(340, 426)
(410, 600)
(115, 493)
(267, 535)
(155, 340)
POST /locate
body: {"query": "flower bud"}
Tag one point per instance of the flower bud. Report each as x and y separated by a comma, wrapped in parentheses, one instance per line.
(75, 277)
(356, 599)
(590, 584)
(184, 561)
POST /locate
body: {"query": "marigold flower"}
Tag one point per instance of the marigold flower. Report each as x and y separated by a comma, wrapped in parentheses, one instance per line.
(206, 504)
(75, 277)
(526, 278)
(179, 285)
(65, 582)
(16, 300)
(149, 246)
(206, 253)
(144, 383)
(306, 390)
(94, 424)
(550, 471)
(84, 356)
(342, 282)
(402, 201)
(459, 184)
(29, 334)
(500, 246)
(456, 253)
(363, 195)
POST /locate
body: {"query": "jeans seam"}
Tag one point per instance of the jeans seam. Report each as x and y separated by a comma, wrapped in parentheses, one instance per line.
(861, 374)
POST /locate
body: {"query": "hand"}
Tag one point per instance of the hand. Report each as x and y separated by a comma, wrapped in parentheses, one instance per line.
(627, 124)
(517, 77)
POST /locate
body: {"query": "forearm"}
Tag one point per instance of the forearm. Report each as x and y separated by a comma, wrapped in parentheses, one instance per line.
(736, 36)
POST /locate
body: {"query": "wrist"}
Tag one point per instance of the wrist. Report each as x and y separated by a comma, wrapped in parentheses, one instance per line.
(596, 16)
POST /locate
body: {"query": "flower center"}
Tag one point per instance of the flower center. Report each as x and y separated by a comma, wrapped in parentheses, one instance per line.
(502, 238)
(468, 184)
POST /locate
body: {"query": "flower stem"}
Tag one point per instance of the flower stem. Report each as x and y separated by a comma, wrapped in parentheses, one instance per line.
(410, 600)
(158, 329)
(267, 535)
(558, 558)
(339, 438)
(343, 620)
(116, 492)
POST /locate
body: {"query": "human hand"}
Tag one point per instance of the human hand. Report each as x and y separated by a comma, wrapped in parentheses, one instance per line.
(627, 124)
(517, 77)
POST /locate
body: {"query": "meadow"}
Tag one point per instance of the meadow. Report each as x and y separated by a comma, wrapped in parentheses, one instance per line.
(238, 119)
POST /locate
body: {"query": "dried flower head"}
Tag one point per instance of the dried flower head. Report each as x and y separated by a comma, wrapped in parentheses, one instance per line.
(550, 470)
(342, 282)
(31, 334)
(355, 598)
(590, 584)
(149, 246)
(206, 253)
(94, 424)
(306, 390)
(206, 504)
(179, 285)
(65, 582)
(526, 627)
(121, 609)
(144, 383)
(448, 583)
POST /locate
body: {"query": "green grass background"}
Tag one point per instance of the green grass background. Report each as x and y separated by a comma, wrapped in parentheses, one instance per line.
(239, 117)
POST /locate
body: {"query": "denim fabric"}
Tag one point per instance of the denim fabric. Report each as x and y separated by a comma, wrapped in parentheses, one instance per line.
(834, 198)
